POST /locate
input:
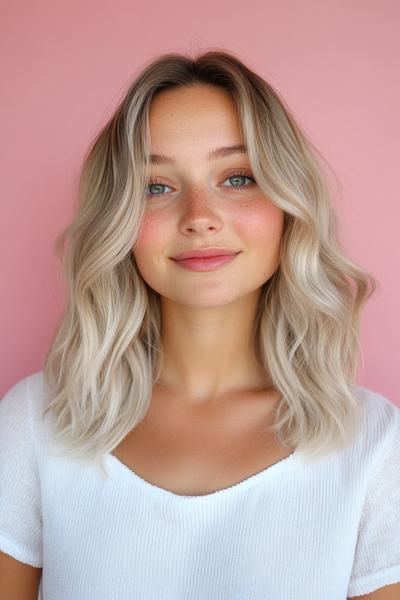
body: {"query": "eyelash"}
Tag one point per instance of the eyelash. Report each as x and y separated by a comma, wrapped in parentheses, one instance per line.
(235, 188)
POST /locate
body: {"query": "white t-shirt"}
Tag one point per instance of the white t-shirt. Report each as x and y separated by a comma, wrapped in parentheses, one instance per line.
(293, 531)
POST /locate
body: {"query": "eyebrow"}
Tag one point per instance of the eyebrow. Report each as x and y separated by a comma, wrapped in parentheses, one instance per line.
(160, 159)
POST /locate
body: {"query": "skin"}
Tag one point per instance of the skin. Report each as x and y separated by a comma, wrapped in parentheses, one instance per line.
(207, 317)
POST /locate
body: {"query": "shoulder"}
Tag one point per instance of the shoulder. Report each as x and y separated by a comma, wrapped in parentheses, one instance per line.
(380, 418)
(376, 563)
(20, 489)
(375, 403)
(377, 441)
(21, 392)
(21, 411)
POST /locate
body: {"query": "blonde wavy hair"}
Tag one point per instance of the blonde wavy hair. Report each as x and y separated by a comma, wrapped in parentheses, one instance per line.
(106, 354)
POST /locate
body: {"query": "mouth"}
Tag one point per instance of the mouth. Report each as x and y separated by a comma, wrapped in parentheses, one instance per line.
(205, 263)
(205, 253)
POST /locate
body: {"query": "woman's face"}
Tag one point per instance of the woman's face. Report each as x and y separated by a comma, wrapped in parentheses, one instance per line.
(195, 202)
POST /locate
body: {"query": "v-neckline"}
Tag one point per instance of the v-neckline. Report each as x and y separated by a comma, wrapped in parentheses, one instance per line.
(129, 475)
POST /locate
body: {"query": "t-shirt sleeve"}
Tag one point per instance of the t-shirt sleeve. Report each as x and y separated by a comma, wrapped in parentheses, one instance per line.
(20, 498)
(377, 555)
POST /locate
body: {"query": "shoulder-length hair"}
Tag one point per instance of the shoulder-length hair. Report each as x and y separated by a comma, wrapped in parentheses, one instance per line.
(106, 354)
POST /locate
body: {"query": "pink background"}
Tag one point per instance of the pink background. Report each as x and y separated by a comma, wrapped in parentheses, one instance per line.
(65, 66)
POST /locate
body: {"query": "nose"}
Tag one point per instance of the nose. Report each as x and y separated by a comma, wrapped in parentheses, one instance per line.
(199, 211)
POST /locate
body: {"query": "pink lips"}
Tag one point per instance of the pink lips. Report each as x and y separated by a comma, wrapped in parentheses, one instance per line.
(205, 263)
(204, 253)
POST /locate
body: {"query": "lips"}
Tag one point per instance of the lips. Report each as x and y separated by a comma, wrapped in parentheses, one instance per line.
(205, 253)
(210, 263)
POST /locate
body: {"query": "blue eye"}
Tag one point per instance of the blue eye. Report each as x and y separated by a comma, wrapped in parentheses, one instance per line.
(234, 176)
(156, 183)
(239, 176)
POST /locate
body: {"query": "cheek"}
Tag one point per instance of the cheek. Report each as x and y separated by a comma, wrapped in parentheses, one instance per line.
(147, 247)
(150, 236)
(261, 224)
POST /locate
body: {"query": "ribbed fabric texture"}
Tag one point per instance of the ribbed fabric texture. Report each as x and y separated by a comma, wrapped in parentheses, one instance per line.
(330, 530)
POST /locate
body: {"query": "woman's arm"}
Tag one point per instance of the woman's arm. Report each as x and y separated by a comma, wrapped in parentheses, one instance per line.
(18, 581)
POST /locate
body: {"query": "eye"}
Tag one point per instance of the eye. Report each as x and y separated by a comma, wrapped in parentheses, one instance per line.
(156, 184)
(240, 176)
(237, 177)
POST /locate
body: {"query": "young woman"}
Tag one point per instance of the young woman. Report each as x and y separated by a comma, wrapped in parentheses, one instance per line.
(196, 431)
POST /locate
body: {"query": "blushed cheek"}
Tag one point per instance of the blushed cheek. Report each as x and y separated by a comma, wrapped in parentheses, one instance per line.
(150, 236)
(261, 223)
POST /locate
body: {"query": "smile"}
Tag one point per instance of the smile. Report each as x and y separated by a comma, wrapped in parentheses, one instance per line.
(205, 264)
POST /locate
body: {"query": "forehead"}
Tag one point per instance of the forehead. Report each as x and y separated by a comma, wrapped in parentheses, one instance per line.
(199, 115)
(186, 96)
